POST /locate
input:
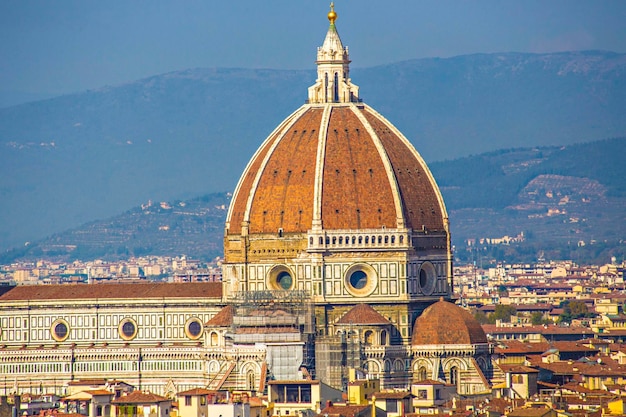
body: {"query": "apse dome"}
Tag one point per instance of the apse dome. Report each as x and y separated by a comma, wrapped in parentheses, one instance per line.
(445, 323)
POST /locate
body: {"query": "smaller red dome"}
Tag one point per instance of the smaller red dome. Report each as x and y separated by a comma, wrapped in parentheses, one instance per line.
(445, 323)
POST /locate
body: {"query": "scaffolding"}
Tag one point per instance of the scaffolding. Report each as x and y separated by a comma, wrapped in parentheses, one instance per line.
(283, 321)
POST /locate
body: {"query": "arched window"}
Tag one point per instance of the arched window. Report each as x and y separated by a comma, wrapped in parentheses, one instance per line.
(383, 337)
(422, 374)
(367, 240)
(369, 337)
(250, 378)
(214, 339)
(454, 376)
(393, 240)
(336, 88)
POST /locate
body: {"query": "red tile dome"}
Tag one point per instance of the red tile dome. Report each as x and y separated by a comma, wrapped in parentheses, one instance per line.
(445, 323)
(342, 166)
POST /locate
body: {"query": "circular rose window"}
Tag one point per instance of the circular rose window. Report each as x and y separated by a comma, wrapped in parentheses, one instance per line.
(193, 328)
(427, 278)
(280, 278)
(127, 329)
(60, 330)
(360, 280)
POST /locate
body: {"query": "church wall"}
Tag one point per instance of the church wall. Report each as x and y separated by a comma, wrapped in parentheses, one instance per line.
(87, 322)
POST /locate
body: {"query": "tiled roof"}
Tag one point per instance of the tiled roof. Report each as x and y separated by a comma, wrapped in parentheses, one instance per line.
(196, 391)
(393, 395)
(277, 190)
(344, 410)
(294, 382)
(223, 318)
(517, 369)
(99, 392)
(445, 323)
(363, 314)
(429, 382)
(139, 397)
(104, 291)
(90, 382)
(530, 412)
(509, 347)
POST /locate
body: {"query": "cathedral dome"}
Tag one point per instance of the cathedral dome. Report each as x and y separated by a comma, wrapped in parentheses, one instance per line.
(335, 164)
(338, 204)
(340, 166)
(445, 323)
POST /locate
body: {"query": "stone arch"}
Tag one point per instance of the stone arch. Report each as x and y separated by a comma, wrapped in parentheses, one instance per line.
(250, 371)
(372, 366)
(398, 365)
(450, 362)
(387, 365)
(482, 363)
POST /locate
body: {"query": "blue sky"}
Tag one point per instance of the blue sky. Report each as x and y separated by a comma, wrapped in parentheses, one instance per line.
(64, 46)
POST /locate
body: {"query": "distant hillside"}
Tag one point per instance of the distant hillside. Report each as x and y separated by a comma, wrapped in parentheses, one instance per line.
(567, 202)
(194, 227)
(69, 160)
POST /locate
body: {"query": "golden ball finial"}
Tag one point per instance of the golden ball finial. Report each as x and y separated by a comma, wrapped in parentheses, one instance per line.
(332, 16)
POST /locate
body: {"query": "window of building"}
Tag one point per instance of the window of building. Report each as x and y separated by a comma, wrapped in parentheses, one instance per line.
(187, 400)
(391, 406)
(454, 376)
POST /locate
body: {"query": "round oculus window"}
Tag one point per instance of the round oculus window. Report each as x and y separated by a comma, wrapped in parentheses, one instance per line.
(60, 330)
(127, 329)
(280, 277)
(193, 328)
(284, 280)
(427, 278)
(360, 280)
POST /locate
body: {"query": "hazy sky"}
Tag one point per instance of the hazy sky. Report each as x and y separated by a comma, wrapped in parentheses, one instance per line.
(62, 46)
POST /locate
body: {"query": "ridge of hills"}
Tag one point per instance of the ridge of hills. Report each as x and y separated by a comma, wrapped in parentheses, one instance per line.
(553, 197)
(71, 159)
